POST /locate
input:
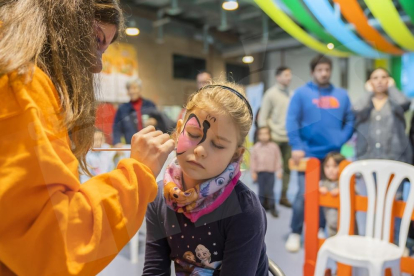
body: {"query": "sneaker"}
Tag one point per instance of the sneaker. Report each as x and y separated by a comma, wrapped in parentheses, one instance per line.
(293, 243)
(321, 234)
(274, 213)
(285, 202)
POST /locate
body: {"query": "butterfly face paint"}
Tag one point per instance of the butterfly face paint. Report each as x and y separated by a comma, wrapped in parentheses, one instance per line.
(196, 136)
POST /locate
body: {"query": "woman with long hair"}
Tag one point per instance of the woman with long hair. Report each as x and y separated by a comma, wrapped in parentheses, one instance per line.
(50, 224)
(380, 122)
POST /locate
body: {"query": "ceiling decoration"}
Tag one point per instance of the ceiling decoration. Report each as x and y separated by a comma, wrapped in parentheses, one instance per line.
(346, 24)
(272, 9)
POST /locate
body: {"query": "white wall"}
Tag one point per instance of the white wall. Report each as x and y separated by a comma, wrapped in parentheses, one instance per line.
(356, 77)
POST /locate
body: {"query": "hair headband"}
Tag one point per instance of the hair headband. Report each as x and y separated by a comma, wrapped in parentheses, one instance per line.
(235, 92)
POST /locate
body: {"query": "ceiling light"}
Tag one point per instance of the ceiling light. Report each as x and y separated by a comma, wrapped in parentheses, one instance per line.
(330, 46)
(131, 29)
(248, 59)
(230, 5)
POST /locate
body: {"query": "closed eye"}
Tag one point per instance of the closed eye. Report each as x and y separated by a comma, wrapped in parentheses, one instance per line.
(193, 136)
(217, 146)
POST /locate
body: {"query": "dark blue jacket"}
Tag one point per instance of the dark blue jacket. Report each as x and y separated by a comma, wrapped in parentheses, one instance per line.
(126, 121)
(319, 120)
(233, 235)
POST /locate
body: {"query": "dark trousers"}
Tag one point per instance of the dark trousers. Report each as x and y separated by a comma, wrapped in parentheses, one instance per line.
(286, 153)
(266, 181)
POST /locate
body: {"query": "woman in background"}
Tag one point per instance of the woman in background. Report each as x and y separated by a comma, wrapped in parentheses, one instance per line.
(380, 121)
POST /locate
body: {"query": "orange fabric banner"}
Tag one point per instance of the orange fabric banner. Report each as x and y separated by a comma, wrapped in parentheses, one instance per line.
(353, 13)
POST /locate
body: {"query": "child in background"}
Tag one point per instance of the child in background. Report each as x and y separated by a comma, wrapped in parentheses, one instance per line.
(99, 161)
(265, 162)
(204, 218)
(329, 183)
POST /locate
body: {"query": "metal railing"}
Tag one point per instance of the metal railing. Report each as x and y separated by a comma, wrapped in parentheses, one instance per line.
(274, 269)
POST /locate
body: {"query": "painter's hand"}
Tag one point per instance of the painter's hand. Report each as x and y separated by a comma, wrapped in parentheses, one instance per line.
(151, 148)
(297, 155)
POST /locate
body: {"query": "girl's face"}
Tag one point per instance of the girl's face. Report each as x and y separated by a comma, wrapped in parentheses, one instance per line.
(206, 145)
(331, 170)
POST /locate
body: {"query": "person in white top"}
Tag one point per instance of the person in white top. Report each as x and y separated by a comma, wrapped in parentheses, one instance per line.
(273, 115)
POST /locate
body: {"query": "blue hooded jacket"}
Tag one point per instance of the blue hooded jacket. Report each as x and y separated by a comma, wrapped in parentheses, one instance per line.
(319, 120)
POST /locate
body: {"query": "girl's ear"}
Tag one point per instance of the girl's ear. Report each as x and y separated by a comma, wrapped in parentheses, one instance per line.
(239, 153)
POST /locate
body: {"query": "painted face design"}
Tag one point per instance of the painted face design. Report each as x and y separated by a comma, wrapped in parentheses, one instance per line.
(186, 140)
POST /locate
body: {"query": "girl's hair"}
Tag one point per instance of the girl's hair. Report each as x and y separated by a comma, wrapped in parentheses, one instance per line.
(378, 68)
(59, 37)
(223, 101)
(336, 156)
(188, 253)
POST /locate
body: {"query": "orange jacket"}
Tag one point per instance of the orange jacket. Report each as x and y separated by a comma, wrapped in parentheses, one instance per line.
(50, 224)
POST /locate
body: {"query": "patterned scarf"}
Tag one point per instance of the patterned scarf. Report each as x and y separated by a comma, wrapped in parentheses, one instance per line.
(203, 198)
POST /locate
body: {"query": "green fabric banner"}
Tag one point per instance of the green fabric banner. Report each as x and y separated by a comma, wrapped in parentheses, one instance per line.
(396, 68)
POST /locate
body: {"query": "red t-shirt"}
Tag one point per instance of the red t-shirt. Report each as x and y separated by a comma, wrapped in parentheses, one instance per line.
(137, 106)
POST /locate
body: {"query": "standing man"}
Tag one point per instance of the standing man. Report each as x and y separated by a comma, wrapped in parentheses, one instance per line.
(273, 115)
(128, 118)
(319, 120)
(203, 78)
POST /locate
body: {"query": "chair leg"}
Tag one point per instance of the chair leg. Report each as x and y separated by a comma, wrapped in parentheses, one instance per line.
(396, 270)
(321, 263)
(376, 269)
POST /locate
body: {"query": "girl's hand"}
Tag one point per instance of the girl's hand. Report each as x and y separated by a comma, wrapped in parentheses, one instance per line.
(279, 174)
(323, 190)
(335, 192)
(151, 148)
(254, 177)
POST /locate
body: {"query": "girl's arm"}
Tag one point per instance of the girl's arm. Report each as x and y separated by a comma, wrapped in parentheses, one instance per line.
(157, 250)
(244, 250)
(278, 156)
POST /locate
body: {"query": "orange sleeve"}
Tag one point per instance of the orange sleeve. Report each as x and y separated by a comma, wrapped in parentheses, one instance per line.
(50, 223)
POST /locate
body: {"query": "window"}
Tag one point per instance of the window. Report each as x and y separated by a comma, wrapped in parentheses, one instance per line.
(238, 73)
(185, 67)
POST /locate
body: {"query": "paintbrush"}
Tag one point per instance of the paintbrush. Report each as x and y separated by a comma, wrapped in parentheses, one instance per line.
(110, 149)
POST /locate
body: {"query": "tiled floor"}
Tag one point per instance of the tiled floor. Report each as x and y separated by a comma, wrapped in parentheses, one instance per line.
(277, 232)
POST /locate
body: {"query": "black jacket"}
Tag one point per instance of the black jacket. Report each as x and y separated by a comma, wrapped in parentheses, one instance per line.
(126, 121)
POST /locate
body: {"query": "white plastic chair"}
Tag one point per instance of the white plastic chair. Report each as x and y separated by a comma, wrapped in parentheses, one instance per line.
(372, 251)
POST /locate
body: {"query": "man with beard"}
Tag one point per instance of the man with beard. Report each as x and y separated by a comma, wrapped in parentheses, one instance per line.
(319, 121)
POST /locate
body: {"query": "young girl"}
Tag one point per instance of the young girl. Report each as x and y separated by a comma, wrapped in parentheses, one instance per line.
(204, 218)
(264, 163)
(329, 183)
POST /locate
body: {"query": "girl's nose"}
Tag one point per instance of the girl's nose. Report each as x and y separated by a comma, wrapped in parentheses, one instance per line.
(200, 151)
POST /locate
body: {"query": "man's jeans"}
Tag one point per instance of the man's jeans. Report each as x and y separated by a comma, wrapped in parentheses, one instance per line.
(298, 208)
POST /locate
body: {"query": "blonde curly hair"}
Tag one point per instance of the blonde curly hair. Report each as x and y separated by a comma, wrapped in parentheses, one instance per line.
(216, 98)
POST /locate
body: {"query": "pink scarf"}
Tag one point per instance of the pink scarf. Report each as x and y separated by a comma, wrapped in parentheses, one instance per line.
(202, 199)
